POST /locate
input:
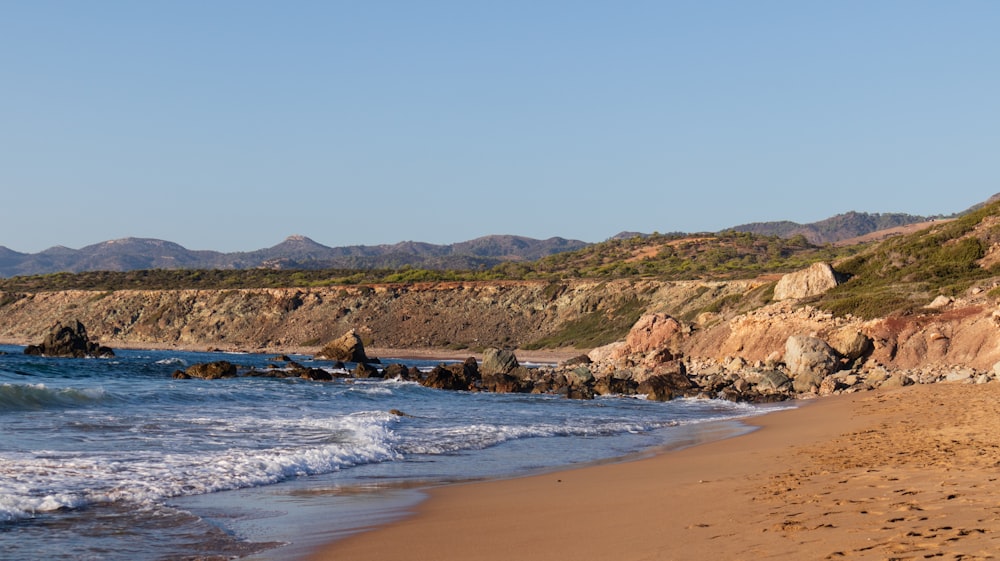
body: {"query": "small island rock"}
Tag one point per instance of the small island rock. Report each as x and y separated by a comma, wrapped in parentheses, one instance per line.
(348, 348)
(69, 340)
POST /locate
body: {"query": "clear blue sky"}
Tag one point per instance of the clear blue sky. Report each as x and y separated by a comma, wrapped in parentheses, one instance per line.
(231, 124)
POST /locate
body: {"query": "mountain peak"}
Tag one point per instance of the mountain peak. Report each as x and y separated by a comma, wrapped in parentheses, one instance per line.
(137, 241)
(300, 241)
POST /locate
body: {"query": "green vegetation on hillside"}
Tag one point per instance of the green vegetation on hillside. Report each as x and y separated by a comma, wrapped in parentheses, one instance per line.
(729, 255)
(836, 228)
(905, 273)
(595, 329)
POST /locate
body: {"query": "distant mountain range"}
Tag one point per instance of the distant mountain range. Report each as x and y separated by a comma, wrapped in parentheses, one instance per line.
(296, 252)
(300, 252)
(836, 228)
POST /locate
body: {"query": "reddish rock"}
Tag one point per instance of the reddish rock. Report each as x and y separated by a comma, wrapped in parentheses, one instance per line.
(653, 332)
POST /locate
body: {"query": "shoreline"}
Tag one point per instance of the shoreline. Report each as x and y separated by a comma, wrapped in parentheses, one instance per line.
(387, 503)
(541, 356)
(892, 473)
(900, 473)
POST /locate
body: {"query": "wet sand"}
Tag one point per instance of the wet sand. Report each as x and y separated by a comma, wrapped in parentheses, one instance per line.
(909, 473)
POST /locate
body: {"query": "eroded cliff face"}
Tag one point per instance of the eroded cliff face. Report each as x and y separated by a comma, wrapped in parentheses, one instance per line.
(967, 333)
(962, 332)
(432, 315)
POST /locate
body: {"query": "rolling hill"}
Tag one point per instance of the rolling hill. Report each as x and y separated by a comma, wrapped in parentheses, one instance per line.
(295, 252)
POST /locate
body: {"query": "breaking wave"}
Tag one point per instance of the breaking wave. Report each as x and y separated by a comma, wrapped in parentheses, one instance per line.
(33, 397)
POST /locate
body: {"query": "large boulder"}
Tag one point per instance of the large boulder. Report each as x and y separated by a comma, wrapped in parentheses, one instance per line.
(605, 353)
(348, 348)
(611, 385)
(815, 280)
(498, 361)
(851, 344)
(458, 376)
(317, 374)
(296, 370)
(577, 361)
(69, 340)
(504, 383)
(208, 371)
(401, 372)
(809, 360)
(667, 384)
(652, 333)
(580, 376)
(773, 381)
(641, 372)
(363, 370)
(658, 388)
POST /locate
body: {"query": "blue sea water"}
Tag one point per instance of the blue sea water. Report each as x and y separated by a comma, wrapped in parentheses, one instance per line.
(112, 459)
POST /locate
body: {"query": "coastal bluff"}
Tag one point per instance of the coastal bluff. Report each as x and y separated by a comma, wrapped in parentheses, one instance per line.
(466, 317)
(438, 315)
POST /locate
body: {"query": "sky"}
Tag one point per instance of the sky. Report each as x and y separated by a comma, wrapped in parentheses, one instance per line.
(232, 124)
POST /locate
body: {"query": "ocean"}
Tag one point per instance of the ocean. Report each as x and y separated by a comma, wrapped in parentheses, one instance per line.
(112, 459)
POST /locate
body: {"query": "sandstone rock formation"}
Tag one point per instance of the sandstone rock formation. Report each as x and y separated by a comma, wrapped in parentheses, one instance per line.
(813, 281)
(851, 344)
(348, 348)
(653, 332)
(653, 340)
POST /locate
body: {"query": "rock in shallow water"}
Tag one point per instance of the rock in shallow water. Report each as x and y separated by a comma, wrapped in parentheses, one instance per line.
(69, 340)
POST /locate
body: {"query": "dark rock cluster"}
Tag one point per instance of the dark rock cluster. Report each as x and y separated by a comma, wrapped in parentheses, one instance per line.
(208, 371)
(69, 340)
(285, 367)
(499, 372)
(582, 378)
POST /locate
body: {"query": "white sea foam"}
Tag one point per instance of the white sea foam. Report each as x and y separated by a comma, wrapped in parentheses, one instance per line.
(371, 390)
(172, 361)
(46, 481)
(136, 437)
(479, 436)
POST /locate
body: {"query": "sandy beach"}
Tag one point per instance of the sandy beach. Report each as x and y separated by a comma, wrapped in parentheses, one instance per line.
(908, 473)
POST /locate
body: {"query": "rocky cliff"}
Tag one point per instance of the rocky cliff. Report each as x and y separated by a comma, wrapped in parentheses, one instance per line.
(473, 315)
(962, 331)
